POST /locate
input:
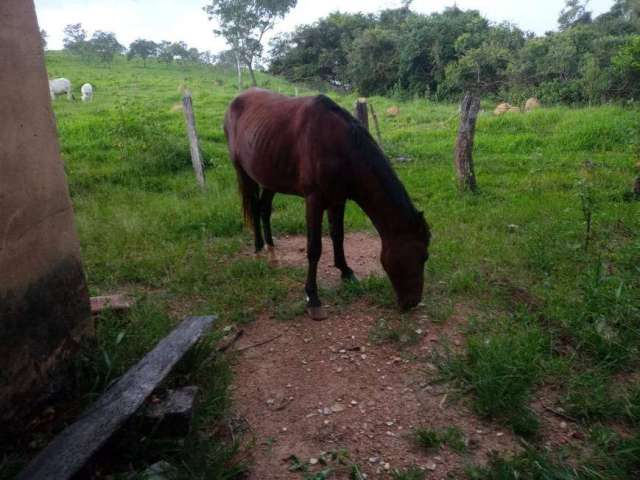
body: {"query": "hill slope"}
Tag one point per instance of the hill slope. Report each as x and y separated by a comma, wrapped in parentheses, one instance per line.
(513, 255)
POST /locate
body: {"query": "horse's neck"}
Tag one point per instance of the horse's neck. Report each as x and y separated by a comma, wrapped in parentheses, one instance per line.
(387, 217)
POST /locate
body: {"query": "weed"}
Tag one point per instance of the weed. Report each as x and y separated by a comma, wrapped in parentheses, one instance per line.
(400, 330)
(411, 473)
(501, 367)
(430, 439)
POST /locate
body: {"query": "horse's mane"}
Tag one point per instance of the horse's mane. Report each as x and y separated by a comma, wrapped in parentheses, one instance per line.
(366, 148)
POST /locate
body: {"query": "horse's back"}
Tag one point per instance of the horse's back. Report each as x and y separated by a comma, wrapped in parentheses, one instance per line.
(282, 143)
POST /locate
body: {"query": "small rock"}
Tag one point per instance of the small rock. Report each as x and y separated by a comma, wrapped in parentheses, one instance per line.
(374, 459)
(563, 425)
(386, 466)
(284, 429)
(313, 461)
(431, 466)
(337, 408)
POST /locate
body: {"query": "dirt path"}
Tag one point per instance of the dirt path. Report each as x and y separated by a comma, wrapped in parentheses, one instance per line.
(324, 387)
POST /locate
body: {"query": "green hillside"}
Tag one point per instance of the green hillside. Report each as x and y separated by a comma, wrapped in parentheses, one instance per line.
(146, 229)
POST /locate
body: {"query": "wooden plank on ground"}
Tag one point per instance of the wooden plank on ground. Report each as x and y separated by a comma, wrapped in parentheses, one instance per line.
(75, 445)
(116, 303)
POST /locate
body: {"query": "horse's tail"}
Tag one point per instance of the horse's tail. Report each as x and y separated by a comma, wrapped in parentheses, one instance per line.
(246, 187)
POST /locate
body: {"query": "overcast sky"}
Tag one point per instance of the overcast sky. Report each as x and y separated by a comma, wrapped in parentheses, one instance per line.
(175, 20)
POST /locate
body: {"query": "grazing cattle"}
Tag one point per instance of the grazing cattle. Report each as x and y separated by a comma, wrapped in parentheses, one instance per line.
(60, 86)
(312, 148)
(87, 92)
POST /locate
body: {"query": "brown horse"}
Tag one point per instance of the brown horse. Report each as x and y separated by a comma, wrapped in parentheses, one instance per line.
(313, 148)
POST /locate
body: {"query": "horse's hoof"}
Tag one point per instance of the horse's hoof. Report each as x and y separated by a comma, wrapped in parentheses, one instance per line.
(317, 313)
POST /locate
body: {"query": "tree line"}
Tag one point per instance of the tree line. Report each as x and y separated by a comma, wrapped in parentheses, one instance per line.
(103, 47)
(399, 52)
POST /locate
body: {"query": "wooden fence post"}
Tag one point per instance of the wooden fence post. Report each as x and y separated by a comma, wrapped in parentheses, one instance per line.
(377, 125)
(464, 144)
(190, 119)
(362, 112)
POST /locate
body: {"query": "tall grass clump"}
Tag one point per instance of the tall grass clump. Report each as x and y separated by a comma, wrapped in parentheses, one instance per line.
(501, 367)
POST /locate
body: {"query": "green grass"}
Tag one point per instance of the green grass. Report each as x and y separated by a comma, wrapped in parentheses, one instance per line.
(146, 228)
(430, 439)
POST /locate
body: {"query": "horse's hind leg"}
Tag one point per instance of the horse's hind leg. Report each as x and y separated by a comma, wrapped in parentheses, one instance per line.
(315, 212)
(266, 204)
(336, 225)
(255, 214)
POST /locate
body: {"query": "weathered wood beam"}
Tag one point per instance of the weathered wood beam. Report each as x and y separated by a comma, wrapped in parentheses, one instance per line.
(116, 303)
(75, 445)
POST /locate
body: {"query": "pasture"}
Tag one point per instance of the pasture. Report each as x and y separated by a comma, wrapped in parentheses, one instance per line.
(537, 318)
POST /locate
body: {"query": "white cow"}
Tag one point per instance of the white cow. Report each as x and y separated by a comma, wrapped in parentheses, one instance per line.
(59, 86)
(87, 92)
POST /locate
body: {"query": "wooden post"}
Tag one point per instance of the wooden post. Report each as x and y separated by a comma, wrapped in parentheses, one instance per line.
(362, 112)
(296, 91)
(464, 143)
(193, 138)
(377, 125)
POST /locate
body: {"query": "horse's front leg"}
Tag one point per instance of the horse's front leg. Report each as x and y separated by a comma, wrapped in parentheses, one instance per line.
(315, 212)
(336, 225)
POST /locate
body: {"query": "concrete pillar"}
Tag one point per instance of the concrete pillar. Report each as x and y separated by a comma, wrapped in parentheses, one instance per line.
(44, 304)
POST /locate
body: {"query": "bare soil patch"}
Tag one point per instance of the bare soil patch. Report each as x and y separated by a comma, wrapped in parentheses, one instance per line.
(362, 251)
(323, 386)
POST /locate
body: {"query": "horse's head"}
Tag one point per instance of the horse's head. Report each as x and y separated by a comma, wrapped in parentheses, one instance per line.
(403, 258)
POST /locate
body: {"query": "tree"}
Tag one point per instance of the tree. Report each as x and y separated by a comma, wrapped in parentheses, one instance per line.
(574, 13)
(627, 66)
(75, 39)
(104, 46)
(373, 62)
(319, 52)
(43, 38)
(243, 24)
(164, 52)
(143, 49)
